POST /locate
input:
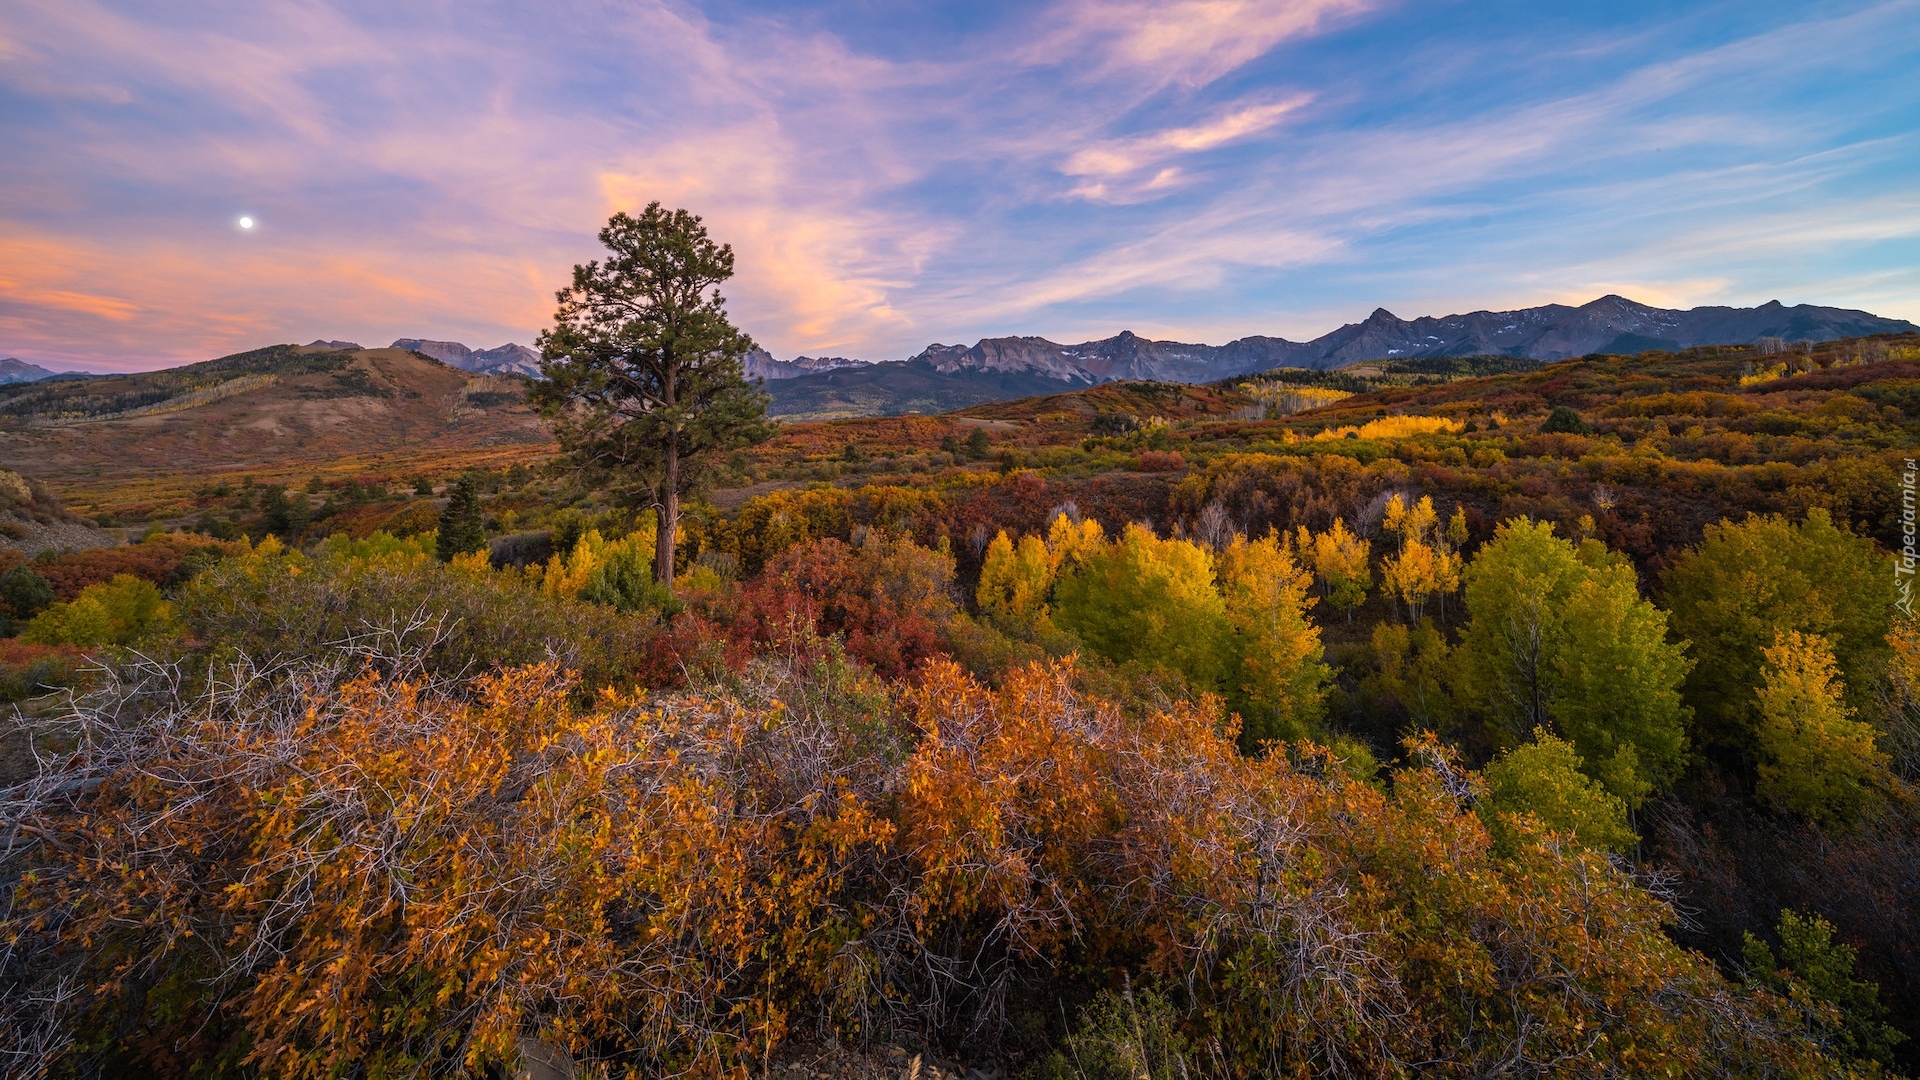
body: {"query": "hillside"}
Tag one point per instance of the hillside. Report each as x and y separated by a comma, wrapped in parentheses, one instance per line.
(1059, 636)
(279, 408)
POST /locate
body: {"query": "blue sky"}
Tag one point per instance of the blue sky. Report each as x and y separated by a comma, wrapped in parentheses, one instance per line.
(892, 174)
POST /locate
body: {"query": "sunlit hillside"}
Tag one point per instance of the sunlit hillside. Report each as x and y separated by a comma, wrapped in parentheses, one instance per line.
(1436, 717)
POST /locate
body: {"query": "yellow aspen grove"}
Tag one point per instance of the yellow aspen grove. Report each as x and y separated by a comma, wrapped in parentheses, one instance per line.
(1413, 576)
(1015, 581)
(1815, 758)
(1340, 562)
(1069, 544)
(1281, 674)
(1411, 523)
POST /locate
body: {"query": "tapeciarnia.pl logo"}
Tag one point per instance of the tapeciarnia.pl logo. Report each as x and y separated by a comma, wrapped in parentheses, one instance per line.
(1903, 568)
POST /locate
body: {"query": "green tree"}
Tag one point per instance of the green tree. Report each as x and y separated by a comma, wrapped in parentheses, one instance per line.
(624, 581)
(644, 382)
(117, 612)
(1413, 666)
(1815, 758)
(1544, 777)
(1816, 975)
(23, 594)
(1560, 638)
(462, 528)
(1749, 580)
(977, 448)
(1517, 589)
(1564, 419)
(285, 515)
(1150, 600)
(1617, 685)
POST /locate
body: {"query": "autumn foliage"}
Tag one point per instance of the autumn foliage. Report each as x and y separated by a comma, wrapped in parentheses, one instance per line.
(322, 871)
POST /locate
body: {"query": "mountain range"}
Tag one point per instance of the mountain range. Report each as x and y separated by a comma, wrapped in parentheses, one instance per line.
(508, 359)
(19, 371)
(819, 387)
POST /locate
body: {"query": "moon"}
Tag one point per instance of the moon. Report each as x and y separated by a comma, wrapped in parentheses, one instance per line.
(246, 223)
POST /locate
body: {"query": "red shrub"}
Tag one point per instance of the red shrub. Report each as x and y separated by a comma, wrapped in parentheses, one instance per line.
(889, 598)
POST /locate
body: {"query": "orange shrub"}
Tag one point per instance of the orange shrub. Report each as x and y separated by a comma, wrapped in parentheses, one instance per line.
(394, 875)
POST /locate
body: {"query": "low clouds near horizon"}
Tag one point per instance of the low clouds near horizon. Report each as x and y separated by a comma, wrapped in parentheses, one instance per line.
(891, 176)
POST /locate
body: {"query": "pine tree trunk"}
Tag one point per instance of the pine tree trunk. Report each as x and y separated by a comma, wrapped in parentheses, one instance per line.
(669, 522)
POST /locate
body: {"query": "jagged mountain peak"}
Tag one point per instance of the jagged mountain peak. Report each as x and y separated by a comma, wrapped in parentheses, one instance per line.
(510, 358)
(1610, 323)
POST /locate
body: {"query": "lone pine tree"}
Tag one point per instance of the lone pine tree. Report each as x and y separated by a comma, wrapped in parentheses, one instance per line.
(462, 529)
(644, 382)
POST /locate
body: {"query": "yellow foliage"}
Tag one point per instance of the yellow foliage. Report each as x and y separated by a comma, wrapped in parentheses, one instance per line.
(1393, 427)
(1015, 581)
(567, 575)
(1287, 400)
(1280, 671)
(1415, 575)
(472, 563)
(1341, 561)
(1070, 545)
(1413, 523)
(1816, 759)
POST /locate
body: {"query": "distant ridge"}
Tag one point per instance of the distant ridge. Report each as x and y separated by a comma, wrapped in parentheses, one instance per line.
(761, 363)
(1611, 324)
(508, 359)
(19, 371)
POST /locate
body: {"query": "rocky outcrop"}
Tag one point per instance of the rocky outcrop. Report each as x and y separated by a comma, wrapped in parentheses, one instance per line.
(760, 364)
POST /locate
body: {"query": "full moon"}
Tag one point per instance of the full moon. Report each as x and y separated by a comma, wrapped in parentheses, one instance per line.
(246, 223)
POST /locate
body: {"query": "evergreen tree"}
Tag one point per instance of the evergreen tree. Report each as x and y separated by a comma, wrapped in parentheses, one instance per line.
(644, 382)
(23, 594)
(462, 528)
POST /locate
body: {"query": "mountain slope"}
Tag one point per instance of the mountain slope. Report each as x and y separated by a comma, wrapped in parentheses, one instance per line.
(282, 405)
(19, 371)
(893, 388)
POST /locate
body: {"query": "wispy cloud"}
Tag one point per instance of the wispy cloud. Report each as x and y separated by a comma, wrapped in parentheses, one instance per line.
(1202, 167)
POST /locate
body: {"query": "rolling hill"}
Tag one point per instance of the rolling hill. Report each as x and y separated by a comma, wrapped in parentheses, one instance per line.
(281, 407)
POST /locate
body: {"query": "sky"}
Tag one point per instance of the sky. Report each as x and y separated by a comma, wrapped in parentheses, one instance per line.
(893, 174)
